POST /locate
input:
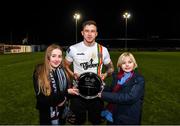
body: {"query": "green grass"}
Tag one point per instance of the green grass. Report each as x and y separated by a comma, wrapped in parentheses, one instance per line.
(160, 69)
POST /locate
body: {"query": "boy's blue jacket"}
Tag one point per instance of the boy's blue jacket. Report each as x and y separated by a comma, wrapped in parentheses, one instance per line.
(128, 101)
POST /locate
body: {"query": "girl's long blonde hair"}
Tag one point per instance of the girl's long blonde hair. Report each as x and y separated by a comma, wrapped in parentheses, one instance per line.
(44, 70)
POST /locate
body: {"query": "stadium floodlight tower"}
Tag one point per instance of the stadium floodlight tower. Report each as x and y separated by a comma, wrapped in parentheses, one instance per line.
(126, 16)
(76, 17)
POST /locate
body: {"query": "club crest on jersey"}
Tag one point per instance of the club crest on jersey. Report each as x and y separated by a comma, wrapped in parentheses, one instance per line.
(89, 64)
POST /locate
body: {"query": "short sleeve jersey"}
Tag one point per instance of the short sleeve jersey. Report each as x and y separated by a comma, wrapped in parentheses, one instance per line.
(87, 59)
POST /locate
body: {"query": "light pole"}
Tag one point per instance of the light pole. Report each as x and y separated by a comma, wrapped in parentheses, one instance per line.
(76, 17)
(126, 15)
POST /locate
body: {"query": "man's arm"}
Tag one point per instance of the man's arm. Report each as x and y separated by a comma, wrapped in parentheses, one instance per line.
(109, 70)
(67, 66)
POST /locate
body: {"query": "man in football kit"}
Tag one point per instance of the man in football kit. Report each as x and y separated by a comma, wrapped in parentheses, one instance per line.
(88, 56)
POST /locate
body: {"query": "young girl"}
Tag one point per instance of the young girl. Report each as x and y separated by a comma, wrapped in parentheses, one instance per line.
(51, 87)
(126, 98)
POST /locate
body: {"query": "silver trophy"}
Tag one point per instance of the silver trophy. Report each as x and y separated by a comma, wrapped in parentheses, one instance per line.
(89, 85)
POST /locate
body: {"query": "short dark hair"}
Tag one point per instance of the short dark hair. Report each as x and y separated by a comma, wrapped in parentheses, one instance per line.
(89, 22)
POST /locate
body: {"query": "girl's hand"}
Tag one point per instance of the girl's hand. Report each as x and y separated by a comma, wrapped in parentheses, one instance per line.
(99, 95)
(73, 91)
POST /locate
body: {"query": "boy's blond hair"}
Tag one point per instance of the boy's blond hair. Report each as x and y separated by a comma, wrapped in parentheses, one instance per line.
(126, 54)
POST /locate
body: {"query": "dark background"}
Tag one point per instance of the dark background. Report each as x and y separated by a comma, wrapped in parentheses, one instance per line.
(52, 21)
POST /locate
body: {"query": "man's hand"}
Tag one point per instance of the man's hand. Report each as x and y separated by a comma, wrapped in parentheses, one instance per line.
(103, 76)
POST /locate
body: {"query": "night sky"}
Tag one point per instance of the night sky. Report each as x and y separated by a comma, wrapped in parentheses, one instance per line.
(48, 22)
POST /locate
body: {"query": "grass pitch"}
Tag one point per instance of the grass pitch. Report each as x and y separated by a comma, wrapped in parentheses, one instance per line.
(162, 90)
